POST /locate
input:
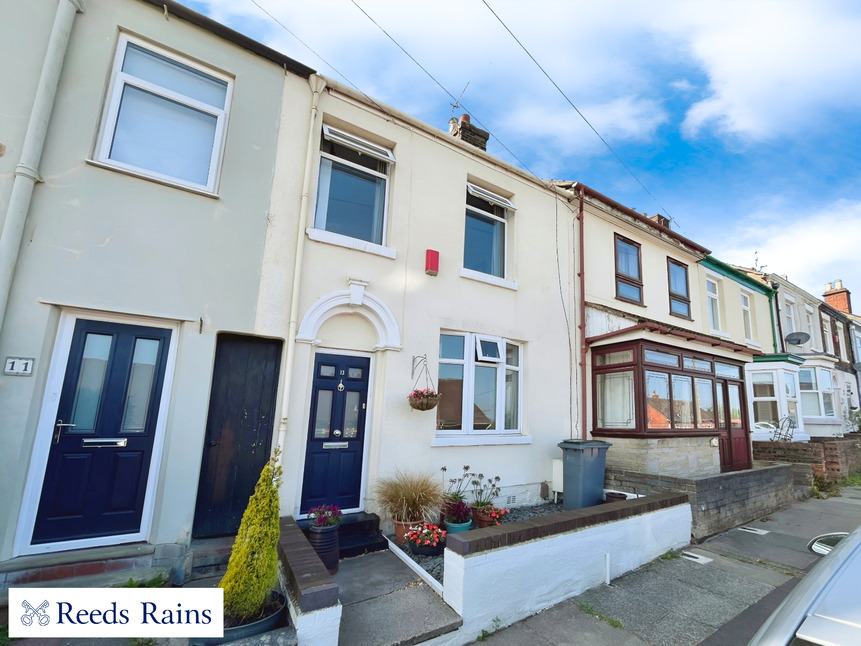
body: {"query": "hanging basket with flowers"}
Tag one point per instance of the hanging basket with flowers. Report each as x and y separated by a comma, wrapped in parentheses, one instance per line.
(423, 398)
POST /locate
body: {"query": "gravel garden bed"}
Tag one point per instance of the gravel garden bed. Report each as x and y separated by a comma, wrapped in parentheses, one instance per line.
(433, 565)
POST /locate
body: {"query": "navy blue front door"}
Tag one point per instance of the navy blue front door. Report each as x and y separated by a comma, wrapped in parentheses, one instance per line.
(98, 465)
(336, 432)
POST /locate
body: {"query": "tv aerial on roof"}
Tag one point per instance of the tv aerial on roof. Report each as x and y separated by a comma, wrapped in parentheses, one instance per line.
(797, 338)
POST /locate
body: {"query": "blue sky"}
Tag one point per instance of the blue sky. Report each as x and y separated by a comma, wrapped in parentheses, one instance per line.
(742, 119)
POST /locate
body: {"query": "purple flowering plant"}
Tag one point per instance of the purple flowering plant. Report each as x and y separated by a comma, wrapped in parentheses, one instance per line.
(325, 515)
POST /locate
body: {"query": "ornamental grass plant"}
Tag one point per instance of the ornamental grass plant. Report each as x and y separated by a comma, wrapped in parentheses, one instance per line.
(410, 497)
(252, 571)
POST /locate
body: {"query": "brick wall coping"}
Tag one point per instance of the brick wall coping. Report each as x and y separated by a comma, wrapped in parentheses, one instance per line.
(670, 482)
(308, 581)
(508, 534)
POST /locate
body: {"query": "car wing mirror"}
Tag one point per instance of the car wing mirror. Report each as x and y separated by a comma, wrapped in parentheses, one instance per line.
(824, 543)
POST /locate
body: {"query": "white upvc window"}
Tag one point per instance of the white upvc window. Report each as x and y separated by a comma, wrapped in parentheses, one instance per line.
(817, 392)
(352, 187)
(839, 336)
(165, 117)
(789, 315)
(485, 237)
(480, 382)
(713, 293)
(747, 316)
(811, 326)
(857, 357)
(829, 340)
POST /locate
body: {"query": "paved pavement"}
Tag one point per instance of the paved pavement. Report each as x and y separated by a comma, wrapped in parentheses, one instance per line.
(719, 599)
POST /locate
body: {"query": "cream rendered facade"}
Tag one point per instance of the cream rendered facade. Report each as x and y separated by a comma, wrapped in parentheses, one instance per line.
(123, 249)
(375, 301)
(661, 317)
(827, 383)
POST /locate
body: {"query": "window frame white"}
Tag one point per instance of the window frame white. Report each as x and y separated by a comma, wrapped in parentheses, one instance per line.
(120, 80)
(819, 390)
(507, 208)
(471, 344)
(713, 303)
(364, 147)
(828, 348)
(789, 315)
(810, 314)
(747, 315)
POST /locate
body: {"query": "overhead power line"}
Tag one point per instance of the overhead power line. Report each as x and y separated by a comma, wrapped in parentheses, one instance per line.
(576, 109)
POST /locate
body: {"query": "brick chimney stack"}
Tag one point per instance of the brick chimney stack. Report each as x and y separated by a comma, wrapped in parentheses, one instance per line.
(467, 132)
(837, 296)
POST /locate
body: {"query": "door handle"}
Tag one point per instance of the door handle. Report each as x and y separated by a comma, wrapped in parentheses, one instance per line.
(104, 441)
(336, 433)
(58, 428)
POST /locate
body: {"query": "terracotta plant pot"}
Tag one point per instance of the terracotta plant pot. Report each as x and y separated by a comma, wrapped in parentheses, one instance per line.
(402, 527)
(483, 520)
(324, 540)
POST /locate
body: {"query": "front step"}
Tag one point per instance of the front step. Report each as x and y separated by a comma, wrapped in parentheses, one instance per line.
(359, 534)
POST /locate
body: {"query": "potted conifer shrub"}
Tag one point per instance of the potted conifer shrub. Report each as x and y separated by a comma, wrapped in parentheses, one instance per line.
(253, 604)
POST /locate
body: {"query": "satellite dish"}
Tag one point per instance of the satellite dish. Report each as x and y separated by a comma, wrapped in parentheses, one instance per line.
(857, 366)
(797, 338)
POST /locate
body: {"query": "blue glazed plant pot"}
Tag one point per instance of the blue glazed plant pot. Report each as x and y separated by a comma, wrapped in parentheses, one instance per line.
(454, 528)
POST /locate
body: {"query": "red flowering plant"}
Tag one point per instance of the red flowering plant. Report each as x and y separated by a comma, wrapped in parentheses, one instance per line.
(325, 515)
(424, 393)
(426, 534)
(493, 512)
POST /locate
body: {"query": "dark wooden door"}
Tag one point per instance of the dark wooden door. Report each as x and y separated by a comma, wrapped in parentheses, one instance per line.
(734, 440)
(336, 432)
(239, 430)
(98, 465)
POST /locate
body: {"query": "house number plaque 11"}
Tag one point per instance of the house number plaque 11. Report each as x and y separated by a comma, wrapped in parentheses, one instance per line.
(19, 366)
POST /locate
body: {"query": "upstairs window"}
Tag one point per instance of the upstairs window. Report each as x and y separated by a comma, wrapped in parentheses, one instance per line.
(485, 235)
(629, 281)
(165, 117)
(352, 189)
(747, 316)
(680, 299)
(713, 293)
(789, 315)
(480, 382)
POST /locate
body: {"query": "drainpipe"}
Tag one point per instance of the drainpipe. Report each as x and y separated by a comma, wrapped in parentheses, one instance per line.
(582, 325)
(318, 84)
(779, 325)
(772, 303)
(27, 170)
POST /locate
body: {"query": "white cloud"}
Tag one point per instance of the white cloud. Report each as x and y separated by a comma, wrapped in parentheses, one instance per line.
(811, 249)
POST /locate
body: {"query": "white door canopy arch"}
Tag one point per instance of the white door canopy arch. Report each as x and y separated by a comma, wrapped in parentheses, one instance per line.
(354, 300)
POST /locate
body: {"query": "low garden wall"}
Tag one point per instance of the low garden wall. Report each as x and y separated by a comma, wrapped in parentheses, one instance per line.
(312, 594)
(499, 575)
(830, 458)
(718, 502)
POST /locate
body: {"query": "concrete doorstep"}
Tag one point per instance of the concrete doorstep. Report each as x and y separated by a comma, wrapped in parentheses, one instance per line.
(387, 604)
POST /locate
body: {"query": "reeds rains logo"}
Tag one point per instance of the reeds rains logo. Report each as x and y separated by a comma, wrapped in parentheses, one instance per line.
(116, 612)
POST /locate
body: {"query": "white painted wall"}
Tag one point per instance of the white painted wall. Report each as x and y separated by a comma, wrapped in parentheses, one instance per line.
(541, 573)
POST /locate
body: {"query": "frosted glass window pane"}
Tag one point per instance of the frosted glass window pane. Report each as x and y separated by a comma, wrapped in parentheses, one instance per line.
(354, 373)
(615, 400)
(327, 371)
(140, 385)
(91, 382)
(725, 370)
(450, 407)
(169, 74)
(658, 411)
(323, 415)
(484, 410)
(512, 390)
(163, 136)
(351, 415)
(653, 356)
(610, 358)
